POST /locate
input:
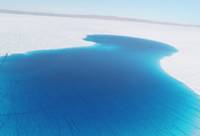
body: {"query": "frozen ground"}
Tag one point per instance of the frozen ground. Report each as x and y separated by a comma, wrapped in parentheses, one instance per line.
(24, 33)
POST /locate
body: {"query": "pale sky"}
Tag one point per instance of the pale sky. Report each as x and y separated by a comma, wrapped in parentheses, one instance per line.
(182, 11)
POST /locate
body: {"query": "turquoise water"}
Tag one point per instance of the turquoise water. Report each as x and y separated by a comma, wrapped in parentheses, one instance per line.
(114, 88)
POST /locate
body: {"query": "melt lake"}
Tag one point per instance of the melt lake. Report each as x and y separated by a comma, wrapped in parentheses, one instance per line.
(114, 88)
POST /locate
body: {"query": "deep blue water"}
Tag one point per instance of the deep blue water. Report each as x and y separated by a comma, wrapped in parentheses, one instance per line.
(114, 88)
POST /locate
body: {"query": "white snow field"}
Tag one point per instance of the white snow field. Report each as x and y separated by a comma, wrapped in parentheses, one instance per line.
(24, 33)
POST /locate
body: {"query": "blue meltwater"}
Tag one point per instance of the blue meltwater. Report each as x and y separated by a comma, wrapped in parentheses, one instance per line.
(114, 88)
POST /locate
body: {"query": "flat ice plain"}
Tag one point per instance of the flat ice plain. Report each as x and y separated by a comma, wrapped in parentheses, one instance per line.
(24, 33)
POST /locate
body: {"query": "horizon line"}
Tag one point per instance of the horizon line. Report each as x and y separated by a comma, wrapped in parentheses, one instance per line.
(91, 16)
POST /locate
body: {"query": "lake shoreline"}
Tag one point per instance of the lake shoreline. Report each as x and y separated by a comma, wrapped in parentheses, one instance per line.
(55, 33)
